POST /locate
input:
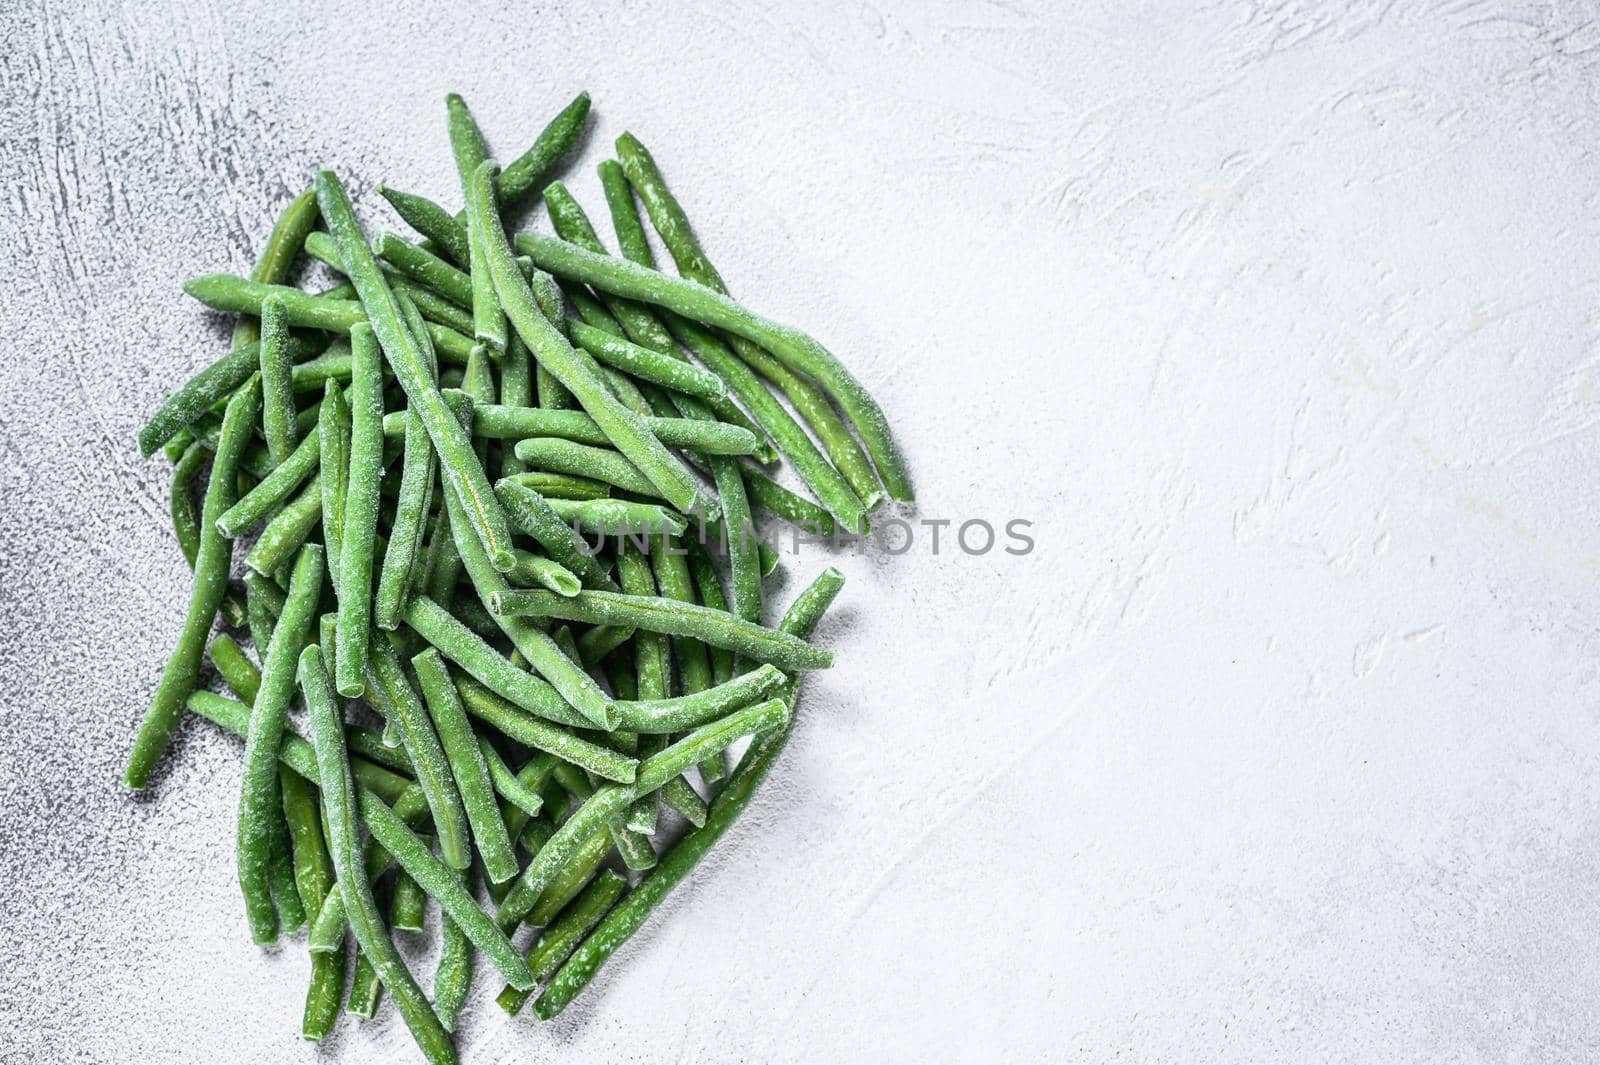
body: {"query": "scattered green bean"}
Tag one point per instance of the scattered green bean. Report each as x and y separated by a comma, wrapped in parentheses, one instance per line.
(360, 517)
(210, 584)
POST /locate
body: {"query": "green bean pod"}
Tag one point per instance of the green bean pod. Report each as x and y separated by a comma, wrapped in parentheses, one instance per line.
(670, 616)
(210, 584)
(467, 766)
(229, 292)
(391, 691)
(672, 224)
(360, 517)
(563, 937)
(259, 804)
(431, 220)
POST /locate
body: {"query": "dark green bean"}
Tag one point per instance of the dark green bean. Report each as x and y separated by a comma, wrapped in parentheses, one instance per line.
(452, 978)
(536, 569)
(277, 254)
(532, 514)
(467, 766)
(228, 292)
(313, 869)
(277, 382)
(466, 142)
(260, 812)
(563, 937)
(360, 517)
(235, 668)
(339, 804)
(567, 677)
(673, 225)
(505, 716)
(516, 423)
(276, 487)
(506, 783)
(392, 693)
(552, 453)
(431, 220)
(467, 650)
(426, 268)
(287, 530)
(401, 557)
(408, 904)
(210, 584)
(524, 173)
(333, 425)
(617, 517)
(203, 391)
(647, 365)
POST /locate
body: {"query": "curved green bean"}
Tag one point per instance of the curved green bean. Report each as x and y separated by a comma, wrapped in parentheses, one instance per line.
(258, 797)
(793, 348)
(339, 804)
(210, 584)
(670, 616)
(453, 976)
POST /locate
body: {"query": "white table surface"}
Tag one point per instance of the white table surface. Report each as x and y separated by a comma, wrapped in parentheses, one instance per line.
(1275, 319)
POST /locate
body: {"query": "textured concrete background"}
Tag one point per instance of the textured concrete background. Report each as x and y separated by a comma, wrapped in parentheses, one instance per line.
(1277, 318)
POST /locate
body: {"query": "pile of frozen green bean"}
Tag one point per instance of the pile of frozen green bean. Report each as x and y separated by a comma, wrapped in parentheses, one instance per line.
(488, 493)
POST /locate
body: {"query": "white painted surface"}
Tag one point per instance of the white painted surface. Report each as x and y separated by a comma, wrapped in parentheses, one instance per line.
(1276, 319)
